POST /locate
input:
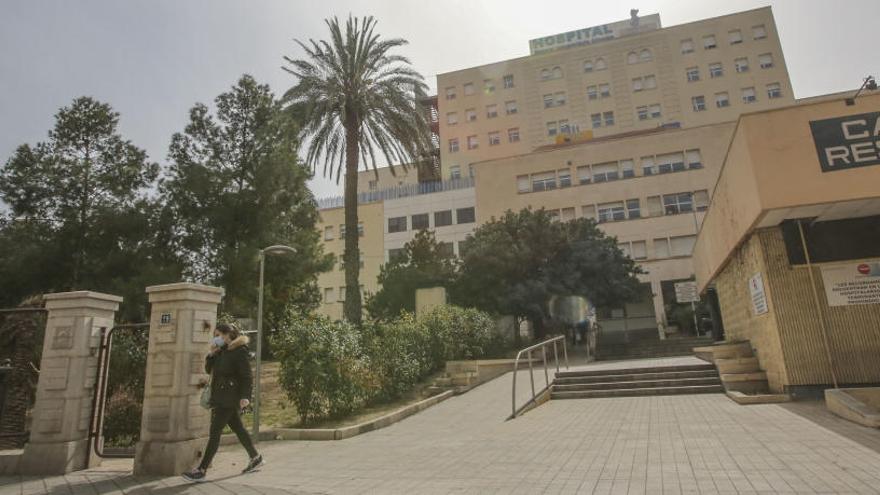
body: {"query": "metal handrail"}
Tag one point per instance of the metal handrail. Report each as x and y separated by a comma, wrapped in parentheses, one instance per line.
(528, 351)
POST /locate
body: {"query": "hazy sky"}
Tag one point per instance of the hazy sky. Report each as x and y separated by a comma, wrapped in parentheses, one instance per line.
(152, 60)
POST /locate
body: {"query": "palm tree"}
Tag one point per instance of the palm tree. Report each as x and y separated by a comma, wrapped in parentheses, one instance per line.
(356, 101)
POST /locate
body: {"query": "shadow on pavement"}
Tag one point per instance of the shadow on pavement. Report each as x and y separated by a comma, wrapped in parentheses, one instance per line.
(816, 412)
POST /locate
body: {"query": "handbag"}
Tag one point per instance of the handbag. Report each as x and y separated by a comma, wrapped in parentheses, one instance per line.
(205, 400)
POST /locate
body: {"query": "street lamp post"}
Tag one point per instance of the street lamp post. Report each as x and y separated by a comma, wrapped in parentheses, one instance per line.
(278, 249)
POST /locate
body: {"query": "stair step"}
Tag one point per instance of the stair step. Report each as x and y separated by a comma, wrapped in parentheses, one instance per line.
(638, 392)
(640, 384)
(637, 371)
(737, 365)
(666, 375)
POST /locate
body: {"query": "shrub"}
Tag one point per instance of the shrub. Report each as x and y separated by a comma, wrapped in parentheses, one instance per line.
(324, 369)
(122, 419)
(399, 353)
(460, 333)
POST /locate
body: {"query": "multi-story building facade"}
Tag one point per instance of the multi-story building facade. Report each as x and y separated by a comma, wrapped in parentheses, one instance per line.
(625, 123)
(692, 74)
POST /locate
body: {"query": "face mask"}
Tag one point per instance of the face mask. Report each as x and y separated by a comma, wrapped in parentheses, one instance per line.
(218, 341)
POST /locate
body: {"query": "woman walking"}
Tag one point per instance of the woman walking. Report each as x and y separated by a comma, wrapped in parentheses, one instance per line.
(231, 381)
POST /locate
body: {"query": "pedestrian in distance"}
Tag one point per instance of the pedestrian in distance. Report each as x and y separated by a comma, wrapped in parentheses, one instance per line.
(230, 392)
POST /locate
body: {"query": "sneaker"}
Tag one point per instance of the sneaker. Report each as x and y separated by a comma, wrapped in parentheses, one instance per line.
(254, 464)
(194, 476)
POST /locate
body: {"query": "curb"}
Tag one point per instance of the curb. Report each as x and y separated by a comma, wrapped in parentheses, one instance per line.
(325, 434)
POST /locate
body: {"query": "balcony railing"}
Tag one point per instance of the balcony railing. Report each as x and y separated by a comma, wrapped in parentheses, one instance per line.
(397, 192)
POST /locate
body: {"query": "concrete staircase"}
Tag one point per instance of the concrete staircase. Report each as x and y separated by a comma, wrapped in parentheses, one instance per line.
(651, 348)
(634, 382)
(740, 372)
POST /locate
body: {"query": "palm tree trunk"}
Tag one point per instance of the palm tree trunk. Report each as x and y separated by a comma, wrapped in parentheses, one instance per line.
(352, 306)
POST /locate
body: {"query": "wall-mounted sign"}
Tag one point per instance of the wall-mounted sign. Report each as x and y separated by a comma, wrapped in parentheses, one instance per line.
(847, 142)
(759, 298)
(852, 283)
(686, 292)
(165, 319)
(594, 34)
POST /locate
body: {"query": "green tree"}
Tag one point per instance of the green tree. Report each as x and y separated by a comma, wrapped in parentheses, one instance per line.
(516, 264)
(235, 186)
(357, 100)
(423, 263)
(82, 215)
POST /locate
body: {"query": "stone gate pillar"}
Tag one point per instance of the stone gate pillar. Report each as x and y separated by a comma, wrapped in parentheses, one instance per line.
(60, 430)
(174, 426)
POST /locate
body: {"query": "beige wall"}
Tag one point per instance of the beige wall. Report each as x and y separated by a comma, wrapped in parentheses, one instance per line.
(668, 66)
(372, 254)
(773, 165)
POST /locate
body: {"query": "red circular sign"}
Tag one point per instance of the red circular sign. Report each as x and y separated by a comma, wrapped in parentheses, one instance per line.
(864, 269)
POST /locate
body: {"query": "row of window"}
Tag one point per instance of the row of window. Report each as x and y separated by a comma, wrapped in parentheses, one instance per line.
(741, 64)
(473, 141)
(470, 114)
(421, 221)
(331, 297)
(748, 95)
(488, 87)
(444, 248)
(610, 171)
(734, 37)
(631, 209)
(328, 232)
(664, 247)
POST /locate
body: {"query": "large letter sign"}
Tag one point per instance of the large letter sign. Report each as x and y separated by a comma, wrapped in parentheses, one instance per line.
(847, 142)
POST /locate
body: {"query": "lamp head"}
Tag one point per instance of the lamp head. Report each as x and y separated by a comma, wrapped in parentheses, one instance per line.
(279, 249)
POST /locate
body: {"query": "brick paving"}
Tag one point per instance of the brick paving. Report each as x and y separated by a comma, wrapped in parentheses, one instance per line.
(673, 444)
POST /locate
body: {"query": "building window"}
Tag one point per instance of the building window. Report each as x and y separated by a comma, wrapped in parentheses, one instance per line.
(765, 61)
(673, 204)
(488, 86)
(494, 138)
(716, 70)
(559, 96)
(699, 103)
(548, 100)
(463, 247)
(584, 176)
(552, 130)
(709, 42)
(341, 297)
(373, 185)
(471, 171)
(611, 212)
(722, 100)
(608, 117)
(588, 66)
(588, 211)
(645, 55)
(642, 112)
(655, 206)
(596, 118)
(450, 93)
(557, 73)
(661, 248)
(741, 64)
(473, 143)
(442, 218)
(687, 46)
(759, 32)
(510, 107)
(605, 172)
(682, 245)
(567, 214)
(604, 90)
(626, 169)
(554, 73)
(624, 248)
(396, 254)
(670, 162)
(693, 74)
(563, 127)
(637, 84)
(342, 231)
(650, 82)
(544, 181)
(774, 91)
(655, 111)
(748, 95)
(639, 250)
(592, 92)
(328, 233)
(465, 215)
(328, 295)
(446, 249)
(545, 74)
(695, 160)
(420, 221)
(468, 89)
(632, 58)
(508, 81)
(600, 64)
(554, 99)
(396, 224)
(564, 178)
(633, 209)
(452, 118)
(453, 145)
(735, 37)
(522, 184)
(491, 111)
(513, 135)
(648, 167)
(701, 200)
(455, 172)
(470, 114)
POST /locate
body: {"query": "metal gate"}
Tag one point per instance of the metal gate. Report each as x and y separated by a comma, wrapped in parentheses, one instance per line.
(124, 388)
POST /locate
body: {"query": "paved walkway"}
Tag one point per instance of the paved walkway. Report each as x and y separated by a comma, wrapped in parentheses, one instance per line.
(675, 444)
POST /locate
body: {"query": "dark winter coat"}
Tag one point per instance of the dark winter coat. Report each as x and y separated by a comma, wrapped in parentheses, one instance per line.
(231, 378)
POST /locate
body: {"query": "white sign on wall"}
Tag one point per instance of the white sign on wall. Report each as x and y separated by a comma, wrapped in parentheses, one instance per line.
(686, 292)
(852, 283)
(594, 34)
(759, 298)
